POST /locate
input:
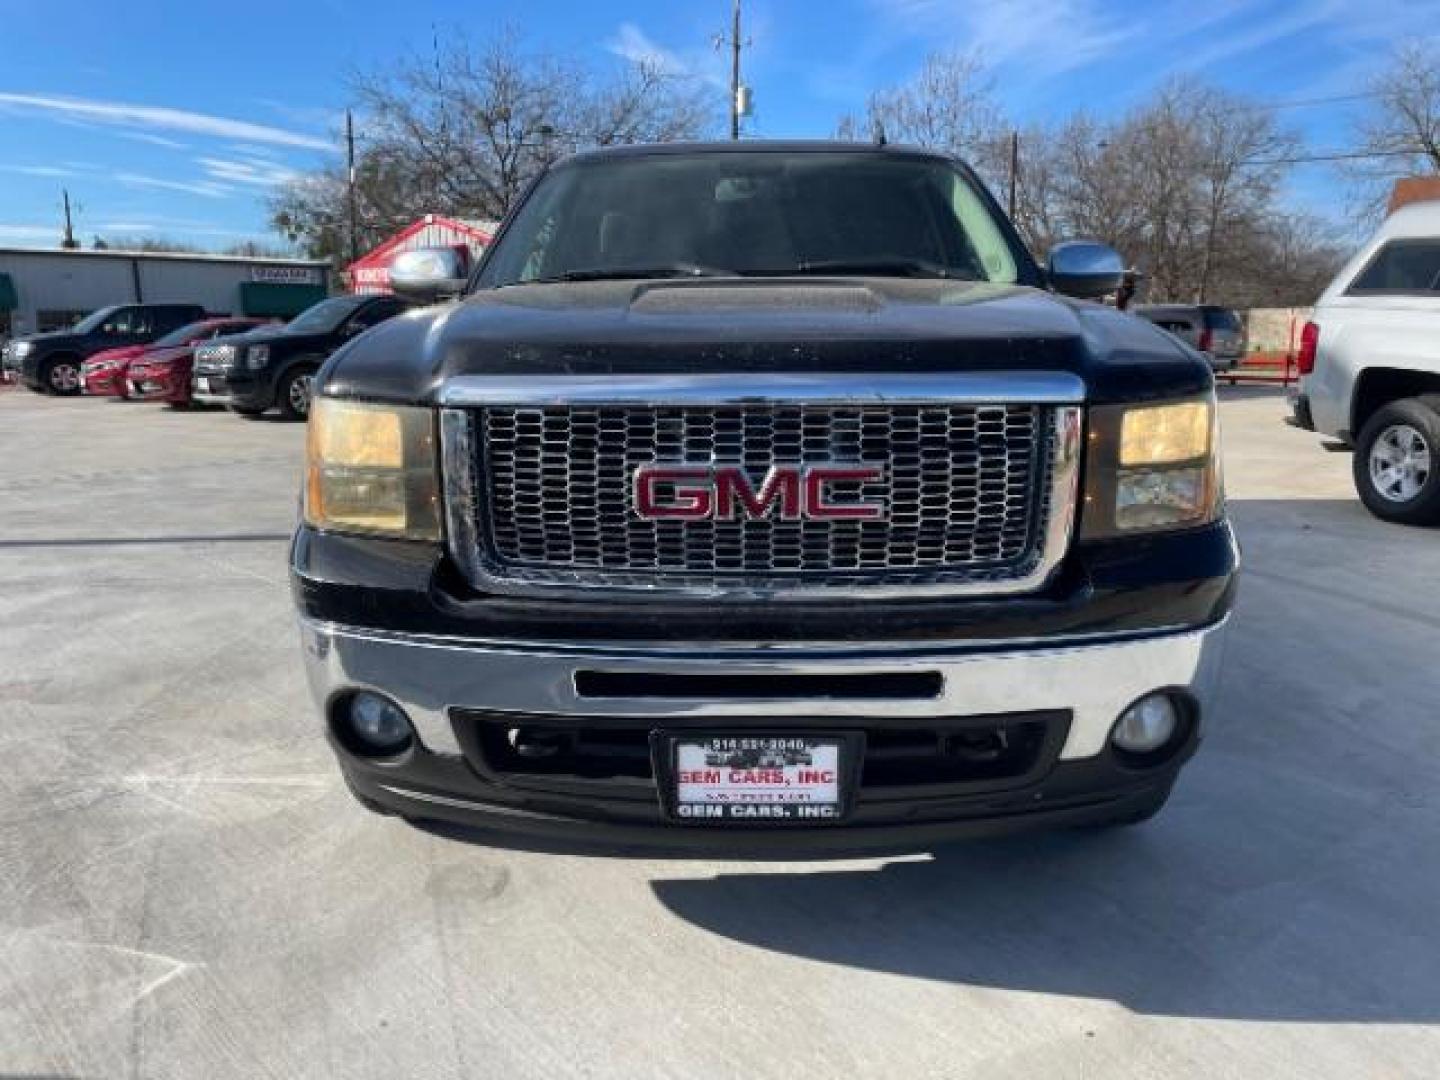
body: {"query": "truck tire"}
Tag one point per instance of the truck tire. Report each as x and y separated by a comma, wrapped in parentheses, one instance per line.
(60, 375)
(293, 395)
(1397, 463)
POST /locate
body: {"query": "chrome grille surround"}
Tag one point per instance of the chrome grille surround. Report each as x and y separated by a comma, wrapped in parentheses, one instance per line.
(980, 494)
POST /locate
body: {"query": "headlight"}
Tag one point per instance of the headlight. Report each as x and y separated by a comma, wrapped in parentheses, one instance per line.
(1151, 467)
(22, 348)
(257, 356)
(371, 469)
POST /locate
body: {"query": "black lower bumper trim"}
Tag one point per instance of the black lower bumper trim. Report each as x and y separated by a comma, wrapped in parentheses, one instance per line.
(428, 787)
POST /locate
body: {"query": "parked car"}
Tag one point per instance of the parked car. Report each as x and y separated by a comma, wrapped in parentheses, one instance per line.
(814, 396)
(1218, 332)
(163, 371)
(273, 368)
(1369, 364)
(103, 375)
(51, 363)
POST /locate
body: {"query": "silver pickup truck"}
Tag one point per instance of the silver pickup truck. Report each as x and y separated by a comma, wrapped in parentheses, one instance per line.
(1370, 366)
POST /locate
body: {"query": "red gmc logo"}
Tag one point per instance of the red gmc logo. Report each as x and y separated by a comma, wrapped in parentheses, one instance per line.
(725, 492)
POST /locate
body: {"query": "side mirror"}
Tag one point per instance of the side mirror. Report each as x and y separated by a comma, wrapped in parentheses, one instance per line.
(1085, 269)
(427, 274)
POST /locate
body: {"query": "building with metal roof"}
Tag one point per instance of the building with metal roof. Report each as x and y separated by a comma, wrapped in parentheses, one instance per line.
(52, 288)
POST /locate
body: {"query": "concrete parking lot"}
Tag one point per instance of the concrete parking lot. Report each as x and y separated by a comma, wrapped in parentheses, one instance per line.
(186, 890)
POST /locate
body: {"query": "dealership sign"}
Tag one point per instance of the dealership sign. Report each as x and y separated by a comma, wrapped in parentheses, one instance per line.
(372, 275)
(285, 275)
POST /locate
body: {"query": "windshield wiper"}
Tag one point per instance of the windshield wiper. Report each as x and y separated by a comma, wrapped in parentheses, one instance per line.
(880, 266)
(622, 273)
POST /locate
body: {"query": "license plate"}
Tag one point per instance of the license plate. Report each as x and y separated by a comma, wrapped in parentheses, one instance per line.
(718, 779)
(202, 384)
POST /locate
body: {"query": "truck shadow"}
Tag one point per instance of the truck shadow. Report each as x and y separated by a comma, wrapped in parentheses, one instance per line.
(1292, 877)
(1146, 919)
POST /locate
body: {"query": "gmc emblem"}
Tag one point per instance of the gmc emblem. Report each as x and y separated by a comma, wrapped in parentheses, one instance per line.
(725, 492)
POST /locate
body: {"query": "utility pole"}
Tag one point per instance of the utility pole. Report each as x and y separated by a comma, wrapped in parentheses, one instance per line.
(735, 73)
(739, 92)
(350, 185)
(69, 243)
(1014, 170)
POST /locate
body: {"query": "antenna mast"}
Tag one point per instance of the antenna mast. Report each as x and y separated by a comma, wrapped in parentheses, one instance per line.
(68, 243)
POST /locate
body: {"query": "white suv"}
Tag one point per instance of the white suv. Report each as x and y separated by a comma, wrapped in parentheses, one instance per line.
(1370, 366)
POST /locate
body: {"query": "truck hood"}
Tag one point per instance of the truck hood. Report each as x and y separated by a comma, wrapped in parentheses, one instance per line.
(48, 338)
(117, 355)
(735, 325)
(165, 355)
(274, 336)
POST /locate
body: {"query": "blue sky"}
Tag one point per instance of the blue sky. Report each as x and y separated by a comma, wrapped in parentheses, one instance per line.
(174, 119)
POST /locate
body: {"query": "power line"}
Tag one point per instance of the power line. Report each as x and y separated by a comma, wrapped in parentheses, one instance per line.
(1303, 102)
(1338, 156)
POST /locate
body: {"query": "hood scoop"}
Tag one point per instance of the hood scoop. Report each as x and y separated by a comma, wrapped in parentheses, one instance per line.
(728, 294)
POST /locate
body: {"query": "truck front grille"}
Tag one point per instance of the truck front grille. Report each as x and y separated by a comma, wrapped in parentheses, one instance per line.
(965, 493)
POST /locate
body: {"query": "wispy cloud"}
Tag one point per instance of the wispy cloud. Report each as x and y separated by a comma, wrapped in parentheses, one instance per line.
(28, 233)
(125, 115)
(253, 171)
(631, 43)
(146, 225)
(207, 188)
(37, 170)
(153, 140)
(1053, 39)
(308, 116)
(250, 150)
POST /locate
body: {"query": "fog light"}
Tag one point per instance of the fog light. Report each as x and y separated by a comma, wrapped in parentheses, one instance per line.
(1147, 725)
(377, 724)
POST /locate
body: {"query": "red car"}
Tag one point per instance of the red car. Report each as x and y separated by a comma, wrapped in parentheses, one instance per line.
(103, 375)
(162, 371)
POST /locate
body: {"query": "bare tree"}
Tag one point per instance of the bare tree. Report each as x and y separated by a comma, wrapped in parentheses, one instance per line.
(464, 131)
(1399, 133)
(1234, 143)
(1177, 185)
(1404, 122)
(1174, 184)
(949, 105)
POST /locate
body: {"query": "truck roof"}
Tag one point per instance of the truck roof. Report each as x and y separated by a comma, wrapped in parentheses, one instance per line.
(752, 146)
(1413, 220)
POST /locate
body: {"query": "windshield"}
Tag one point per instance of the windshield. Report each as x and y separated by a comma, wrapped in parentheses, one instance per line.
(94, 319)
(1222, 319)
(323, 317)
(755, 214)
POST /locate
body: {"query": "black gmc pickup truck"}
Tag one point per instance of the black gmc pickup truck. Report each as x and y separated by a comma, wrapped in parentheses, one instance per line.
(763, 495)
(274, 366)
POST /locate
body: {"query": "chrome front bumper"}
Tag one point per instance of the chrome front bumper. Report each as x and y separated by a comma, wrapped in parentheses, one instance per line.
(1095, 679)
